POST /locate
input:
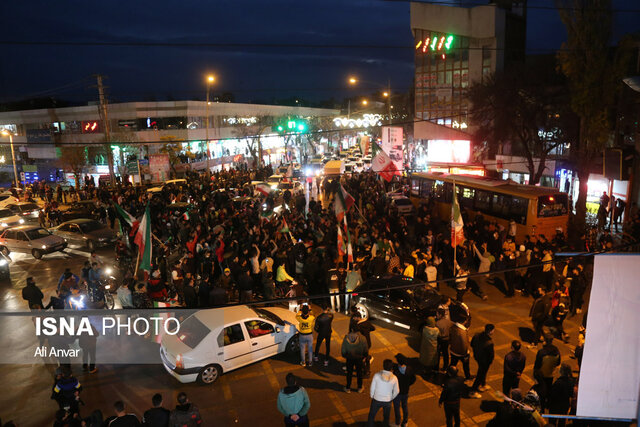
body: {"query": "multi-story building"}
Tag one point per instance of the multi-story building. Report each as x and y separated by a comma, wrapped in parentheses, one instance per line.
(38, 134)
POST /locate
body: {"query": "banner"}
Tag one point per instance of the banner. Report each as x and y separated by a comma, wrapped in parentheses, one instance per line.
(159, 166)
(392, 144)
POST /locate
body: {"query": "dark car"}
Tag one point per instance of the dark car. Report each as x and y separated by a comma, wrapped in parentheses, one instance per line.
(81, 209)
(86, 233)
(405, 308)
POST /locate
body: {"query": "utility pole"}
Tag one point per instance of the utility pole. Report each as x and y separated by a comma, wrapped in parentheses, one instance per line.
(105, 122)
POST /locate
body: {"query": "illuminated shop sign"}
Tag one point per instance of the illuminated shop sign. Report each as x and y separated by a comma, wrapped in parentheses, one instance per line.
(436, 43)
(448, 151)
(366, 121)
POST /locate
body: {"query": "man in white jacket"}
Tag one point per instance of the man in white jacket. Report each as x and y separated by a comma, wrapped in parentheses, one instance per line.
(384, 388)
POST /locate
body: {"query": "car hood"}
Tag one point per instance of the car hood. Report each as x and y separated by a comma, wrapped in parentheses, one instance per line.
(10, 219)
(102, 233)
(286, 315)
(49, 240)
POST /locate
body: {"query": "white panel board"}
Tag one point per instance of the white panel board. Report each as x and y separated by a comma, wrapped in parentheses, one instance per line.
(610, 372)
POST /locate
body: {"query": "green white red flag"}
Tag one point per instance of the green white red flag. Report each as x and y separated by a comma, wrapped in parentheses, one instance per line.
(263, 188)
(349, 247)
(382, 163)
(143, 240)
(341, 248)
(342, 203)
(457, 225)
(130, 219)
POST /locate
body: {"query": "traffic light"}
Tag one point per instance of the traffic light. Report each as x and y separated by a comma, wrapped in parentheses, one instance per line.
(291, 126)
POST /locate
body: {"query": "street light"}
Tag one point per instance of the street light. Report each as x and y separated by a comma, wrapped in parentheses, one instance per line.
(365, 102)
(210, 80)
(13, 156)
(385, 94)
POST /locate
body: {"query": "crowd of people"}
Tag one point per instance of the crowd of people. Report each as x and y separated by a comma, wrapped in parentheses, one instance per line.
(216, 242)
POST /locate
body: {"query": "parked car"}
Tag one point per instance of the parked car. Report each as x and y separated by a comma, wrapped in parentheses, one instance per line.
(159, 187)
(5, 273)
(403, 204)
(81, 209)
(405, 308)
(30, 239)
(27, 210)
(215, 341)
(9, 219)
(294, 187)
(7, 198)
(85, 233)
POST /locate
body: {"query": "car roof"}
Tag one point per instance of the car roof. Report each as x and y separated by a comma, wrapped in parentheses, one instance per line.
(211, 317)
(25, 227)
(79, 221)
(390, 281)
(23, 203)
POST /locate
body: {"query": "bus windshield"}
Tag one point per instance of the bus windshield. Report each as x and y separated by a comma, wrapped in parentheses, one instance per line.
(552, 205)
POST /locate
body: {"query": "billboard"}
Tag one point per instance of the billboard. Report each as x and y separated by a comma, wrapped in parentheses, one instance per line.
(159, 166)
(392, 144)
(448, 151)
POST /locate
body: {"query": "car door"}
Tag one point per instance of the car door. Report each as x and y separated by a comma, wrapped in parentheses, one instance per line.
(400, 309)
(377, 303)
(23, 244)
(75, 235)
(9, 240)
(263, 337)
(63, 231)
(233, 347)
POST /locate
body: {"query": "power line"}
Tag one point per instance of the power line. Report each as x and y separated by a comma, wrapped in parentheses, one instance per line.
(520, 5)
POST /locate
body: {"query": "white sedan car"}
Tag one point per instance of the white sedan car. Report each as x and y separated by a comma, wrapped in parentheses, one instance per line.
(212, 342)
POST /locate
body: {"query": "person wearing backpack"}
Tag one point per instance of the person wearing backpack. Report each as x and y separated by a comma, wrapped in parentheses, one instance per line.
(354, 350)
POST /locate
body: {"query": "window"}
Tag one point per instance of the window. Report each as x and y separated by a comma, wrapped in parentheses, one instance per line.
(37, 233)
(192, 332)
(23, 237)
(552, 205)
(483, 201)
(427, 188)
(230, 335)
(9, 234)
(258, 328)
(518, 209)
(398, 297)
(91, 226)
(501, 205)
(415, 187)
(5, 213)
(466, 196)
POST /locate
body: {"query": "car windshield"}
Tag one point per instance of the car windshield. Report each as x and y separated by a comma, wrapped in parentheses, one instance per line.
(37, 233)
(91, 226)
(267, 315)
(29, 207)
(285, 186)
(5, 213)
(402, 201)
(192, 332)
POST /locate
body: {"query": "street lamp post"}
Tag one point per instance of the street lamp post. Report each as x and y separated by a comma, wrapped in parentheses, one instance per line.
(13, 157)
(210, 79)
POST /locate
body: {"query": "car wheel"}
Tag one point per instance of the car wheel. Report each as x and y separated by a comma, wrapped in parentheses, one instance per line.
(5, 250)
(91, 245)
(37, 254)
(293, 345)
(362, 311)
(209, 374)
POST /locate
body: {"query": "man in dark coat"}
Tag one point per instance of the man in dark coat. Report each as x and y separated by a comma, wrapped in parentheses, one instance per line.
(514, 363)
(452, 392)
(482, 346)
(538, 313)
(406, 378)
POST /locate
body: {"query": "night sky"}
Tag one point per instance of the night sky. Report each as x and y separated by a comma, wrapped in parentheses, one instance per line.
(258, 73)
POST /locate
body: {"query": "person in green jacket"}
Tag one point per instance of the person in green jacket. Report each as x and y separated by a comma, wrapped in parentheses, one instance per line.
(429, 346)
(293, 403)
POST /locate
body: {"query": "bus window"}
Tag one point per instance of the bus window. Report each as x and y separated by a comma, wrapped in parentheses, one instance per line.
(483, 201)
(415, 186)
(553, 205)
(467, 196)
(426, 189)
(438, 190)
(501, 205)
(447, 192)
(518, 211)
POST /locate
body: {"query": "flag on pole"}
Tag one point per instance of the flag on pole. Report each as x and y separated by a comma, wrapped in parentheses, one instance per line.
(341, 249)
(263, 188)
(285, 230)
(365, 143)
(342, 203)
(381, 163)
(130, 219)
(143, 240)
(349, 248)
(457, 225)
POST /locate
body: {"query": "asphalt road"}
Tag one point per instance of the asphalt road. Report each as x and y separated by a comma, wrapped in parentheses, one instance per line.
(248, 396)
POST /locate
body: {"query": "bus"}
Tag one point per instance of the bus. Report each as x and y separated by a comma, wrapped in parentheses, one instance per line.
(535, 210)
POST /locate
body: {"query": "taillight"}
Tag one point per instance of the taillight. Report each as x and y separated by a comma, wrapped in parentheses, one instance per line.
(179, 362)
(355, 294)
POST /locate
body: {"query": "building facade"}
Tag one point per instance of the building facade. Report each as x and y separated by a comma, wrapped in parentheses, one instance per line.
(140, 129)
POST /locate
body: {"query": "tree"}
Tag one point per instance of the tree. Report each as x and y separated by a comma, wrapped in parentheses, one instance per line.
(73, 159)
(251, 132)
(173, 147)
(522, 108)
(594, 76)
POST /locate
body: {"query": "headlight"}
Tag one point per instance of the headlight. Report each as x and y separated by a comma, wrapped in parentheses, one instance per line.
(4, 224)
(3, 262)
(44, 246)
(108, 270)
(102, 239)
(21, 221)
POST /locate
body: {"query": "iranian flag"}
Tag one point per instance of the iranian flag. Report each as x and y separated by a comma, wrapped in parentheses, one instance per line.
(143, 240)
(457, 226)
(349, 247)
(341, 248)
(343, 202)
(130, 219)
(381, 163)
(263, 188)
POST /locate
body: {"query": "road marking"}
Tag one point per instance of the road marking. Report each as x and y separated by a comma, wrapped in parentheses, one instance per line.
(271, 376)
(346, 414)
